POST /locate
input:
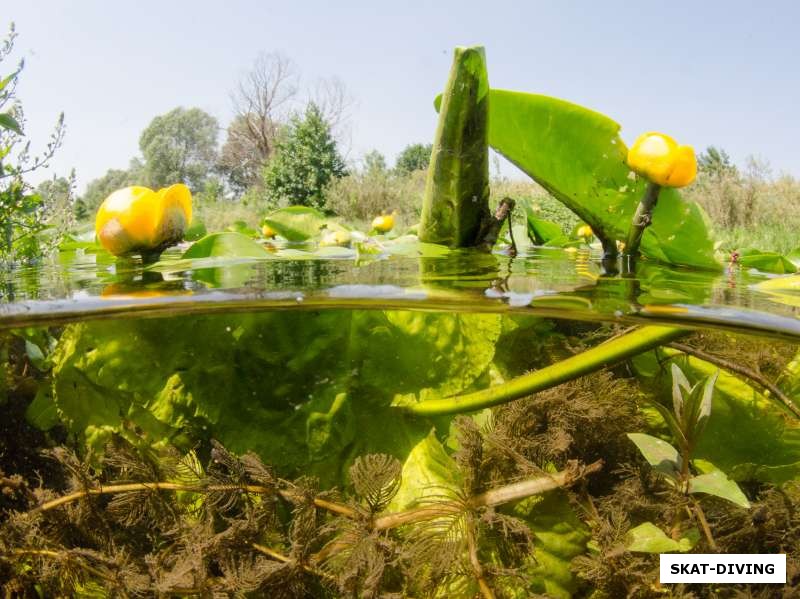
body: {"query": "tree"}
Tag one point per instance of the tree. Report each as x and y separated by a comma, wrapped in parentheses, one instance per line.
(414, 157)
(307, 160)
(241, 160)
(716, 162)
(179, 147)
(263, 102)
(374, 164)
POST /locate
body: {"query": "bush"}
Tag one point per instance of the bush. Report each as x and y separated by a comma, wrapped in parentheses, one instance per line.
(25, 215)
(750, 209)
(361, 196)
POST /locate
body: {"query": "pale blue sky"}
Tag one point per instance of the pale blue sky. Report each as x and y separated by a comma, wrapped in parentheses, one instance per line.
(723, 73)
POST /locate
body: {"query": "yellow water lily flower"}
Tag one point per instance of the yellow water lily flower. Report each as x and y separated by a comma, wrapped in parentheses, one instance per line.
(332, 238)
(138, 219)
(584, 231)
(384, 223)
(268, 231)
(661, 160)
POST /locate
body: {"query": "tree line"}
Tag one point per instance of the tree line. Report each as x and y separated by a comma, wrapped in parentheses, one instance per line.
(281, 145)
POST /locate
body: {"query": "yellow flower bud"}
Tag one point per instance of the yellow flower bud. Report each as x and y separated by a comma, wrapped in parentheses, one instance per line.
(585, 231)
(383, 224)
(268, 231)
(135, 219)
(661, 160)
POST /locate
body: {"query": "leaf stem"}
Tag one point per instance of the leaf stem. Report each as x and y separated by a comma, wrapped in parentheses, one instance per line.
(641, 219)
(606, 354)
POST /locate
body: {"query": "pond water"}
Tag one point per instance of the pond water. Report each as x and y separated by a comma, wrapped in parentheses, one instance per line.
(311, 362)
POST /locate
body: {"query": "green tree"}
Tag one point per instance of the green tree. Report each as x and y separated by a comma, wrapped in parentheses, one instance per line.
(414, 157)
(24, 215)
(716, 162)
(180, 147)
(306, 162)
(374, 164)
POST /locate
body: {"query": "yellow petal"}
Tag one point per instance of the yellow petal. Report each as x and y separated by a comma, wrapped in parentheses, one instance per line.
(685, 167)
(175, 213)
(127, 220)
(660, 159)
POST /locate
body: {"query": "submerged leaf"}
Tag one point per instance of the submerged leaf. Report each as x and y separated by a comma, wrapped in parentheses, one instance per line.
(659, 454)
(718, 484)
(649, 538)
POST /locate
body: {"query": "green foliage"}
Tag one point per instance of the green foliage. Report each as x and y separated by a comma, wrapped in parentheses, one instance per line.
(306, 162)
(748, 437)
(24, 214)
(578, 156)
(691, 408)
(179, 147)
(414, 157)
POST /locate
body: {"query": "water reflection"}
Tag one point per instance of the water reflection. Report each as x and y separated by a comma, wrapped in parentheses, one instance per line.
(554, 282)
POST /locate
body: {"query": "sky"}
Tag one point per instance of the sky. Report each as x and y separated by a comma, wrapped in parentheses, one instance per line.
(721, 73)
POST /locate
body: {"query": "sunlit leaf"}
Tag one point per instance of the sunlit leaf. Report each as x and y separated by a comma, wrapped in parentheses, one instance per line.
(718, 484)
(649, 538)
(9, 122)
(226, 245)
(659, 454)
(296, 223)
(766, 261)
(579, 157)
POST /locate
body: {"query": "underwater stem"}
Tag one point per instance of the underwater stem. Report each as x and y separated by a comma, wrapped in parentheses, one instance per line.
(167, 486)
(606, 354)
(490, 498)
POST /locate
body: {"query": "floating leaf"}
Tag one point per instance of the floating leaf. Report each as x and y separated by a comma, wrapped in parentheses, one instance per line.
(296, 223)
(766, 261)
(718, 484)
(226, 245)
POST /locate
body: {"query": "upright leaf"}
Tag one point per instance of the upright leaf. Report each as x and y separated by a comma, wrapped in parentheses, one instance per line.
(579, 157)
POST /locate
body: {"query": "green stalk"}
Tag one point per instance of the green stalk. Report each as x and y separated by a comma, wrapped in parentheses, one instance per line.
(606, 354)
(642, 219)
(456, 201)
